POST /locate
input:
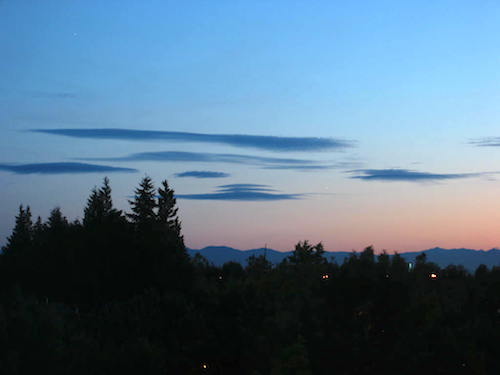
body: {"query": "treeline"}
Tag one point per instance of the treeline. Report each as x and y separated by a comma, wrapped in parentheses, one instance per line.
(117, 294)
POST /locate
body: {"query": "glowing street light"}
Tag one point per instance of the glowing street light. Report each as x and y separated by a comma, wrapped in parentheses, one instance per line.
(433, 276)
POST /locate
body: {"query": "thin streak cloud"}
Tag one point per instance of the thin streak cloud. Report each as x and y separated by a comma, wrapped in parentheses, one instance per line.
(242, 192)
(262, 142)
(202, 157)
(244, 187)
(397, 174)
(202, 174)
(62, 168)
(316, 167)
(486, 142)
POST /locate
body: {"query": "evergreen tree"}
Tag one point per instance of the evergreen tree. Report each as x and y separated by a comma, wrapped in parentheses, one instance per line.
(167, 211)
(22, 234)
(107, 201)
(56, 220)
(367, 255)
(399, 267)
(93, 210)
(173, 268)
(421, 259)
(143, 205)
(38, 228)
(383, 264)
(99, 207)
(306, 253)
(258, 265)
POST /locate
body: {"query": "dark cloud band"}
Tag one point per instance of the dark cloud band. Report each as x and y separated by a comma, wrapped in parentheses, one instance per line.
(406, 175)
(262, 142)
(242, 192)
(62, 168)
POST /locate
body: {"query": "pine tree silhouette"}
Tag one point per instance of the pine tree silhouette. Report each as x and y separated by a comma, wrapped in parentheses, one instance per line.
(22, 234)
(143, 205)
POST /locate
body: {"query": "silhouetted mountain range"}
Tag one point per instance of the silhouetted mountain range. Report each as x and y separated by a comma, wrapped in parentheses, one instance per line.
(469, 258)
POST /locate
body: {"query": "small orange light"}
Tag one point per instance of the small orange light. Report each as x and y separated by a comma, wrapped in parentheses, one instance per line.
(433, 276)
(204, 366)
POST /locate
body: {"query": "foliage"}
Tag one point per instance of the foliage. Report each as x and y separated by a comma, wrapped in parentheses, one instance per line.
(117, 293)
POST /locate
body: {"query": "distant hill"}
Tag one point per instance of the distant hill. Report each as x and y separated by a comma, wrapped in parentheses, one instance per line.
(469, 258)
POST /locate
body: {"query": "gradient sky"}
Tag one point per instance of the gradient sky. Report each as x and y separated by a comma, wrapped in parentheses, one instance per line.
(352, 123)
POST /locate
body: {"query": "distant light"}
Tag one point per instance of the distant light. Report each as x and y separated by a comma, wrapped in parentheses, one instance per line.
(410, 266)
(204, 366)
(325, 277)
(387, 275)
(433, 276)
(220, 277)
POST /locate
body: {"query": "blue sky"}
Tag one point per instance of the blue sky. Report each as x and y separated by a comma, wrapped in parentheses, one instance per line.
(411, 89)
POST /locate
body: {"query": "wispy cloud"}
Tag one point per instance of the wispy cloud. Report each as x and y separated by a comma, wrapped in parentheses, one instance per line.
(486, 142)
(315, 167)
(397, 174)
(246, 187)
(242, 192)
(202, 174)
(61, 168)
(203, 157)
(262, 142)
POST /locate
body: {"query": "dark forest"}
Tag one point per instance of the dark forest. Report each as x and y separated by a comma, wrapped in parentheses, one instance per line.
(117, 293)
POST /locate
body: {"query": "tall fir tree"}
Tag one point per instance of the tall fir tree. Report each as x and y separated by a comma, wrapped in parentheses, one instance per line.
(91, 213)
(22, 234)
(105, 195)
(100, 206)
(56, 220)
(38, 228)
(143, 205)
(167, 211)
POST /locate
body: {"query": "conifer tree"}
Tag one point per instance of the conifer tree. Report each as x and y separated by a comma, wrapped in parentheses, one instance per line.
(56, 220)
(100, 206)
(167, 211)
(22, 234)
(38, 234)
(144, 204)
(107, 201)
(305, 253)
(93, 209)
(38, 227)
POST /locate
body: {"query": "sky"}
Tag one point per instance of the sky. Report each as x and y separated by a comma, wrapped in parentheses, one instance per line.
(351, 123)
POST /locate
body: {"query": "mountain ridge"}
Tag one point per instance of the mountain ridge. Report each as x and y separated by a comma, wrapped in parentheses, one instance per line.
(469, 258)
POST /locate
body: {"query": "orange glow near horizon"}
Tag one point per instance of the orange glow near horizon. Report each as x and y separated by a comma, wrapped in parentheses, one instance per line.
(411, 219)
